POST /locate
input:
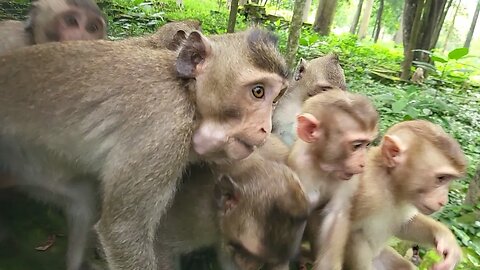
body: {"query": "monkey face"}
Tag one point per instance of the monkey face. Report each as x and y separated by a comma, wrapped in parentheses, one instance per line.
(423, 161)
(260, 224)
(77, 24)
(234, 92)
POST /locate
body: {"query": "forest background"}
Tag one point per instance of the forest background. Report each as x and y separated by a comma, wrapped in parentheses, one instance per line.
(380, 44)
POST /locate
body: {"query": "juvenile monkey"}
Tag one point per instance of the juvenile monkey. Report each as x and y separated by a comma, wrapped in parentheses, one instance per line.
(406, 178)
(252, 211)
(133, 118)
(418, 75)
(169, 36)
(310, 78)
(54, 20)
(334, 130)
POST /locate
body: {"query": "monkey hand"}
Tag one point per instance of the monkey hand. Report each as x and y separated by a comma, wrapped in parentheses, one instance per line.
(448, 247)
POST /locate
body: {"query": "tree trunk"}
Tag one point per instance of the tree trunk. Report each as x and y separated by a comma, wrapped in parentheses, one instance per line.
(378, 23)
(294, 32)
(356, 18)
(472, 26)
(233, 16)
(409, 8)
(439, 24)
(473, 193)
(450, 29)
(367, 12)
(241, 2)
(408, 54)
(306, 10)
(324, 16)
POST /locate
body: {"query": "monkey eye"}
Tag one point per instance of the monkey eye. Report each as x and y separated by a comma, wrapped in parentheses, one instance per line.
(442, 179)
(92, 28)
(70, 20)
(258, 91)
(356, 146)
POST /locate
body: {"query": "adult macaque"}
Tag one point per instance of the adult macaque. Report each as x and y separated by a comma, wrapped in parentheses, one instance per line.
(406, 178)
(169, 36)
(310, 78)
(54, 20)
(254, 216)
(334, 130)
(130, 117)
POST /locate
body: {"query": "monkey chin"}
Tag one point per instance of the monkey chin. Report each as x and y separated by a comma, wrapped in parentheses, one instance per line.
(344, 175)
(237, 149)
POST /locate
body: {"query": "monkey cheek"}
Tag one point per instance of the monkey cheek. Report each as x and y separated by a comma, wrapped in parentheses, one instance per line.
(207, 140)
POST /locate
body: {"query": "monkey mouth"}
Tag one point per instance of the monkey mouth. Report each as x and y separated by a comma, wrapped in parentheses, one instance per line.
(249, 147)
(345, 176)
(426, 210)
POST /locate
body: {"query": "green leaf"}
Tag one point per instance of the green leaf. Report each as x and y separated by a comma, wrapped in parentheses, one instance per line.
(457, 53)
(438, 58)
(399, 105)
(430, 258)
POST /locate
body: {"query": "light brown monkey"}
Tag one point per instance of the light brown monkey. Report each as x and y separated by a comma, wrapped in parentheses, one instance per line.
(130, 117)
(169, 36)
(406, 178)
(334, 131)
(54, 20)
(310, 78)
(252, 211)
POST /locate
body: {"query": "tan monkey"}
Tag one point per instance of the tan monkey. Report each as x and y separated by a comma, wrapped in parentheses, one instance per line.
(252, 211)
(334, 130)
(418, 75)
(133, 118)
(169, 36)
(406, 178)
(310, 78)
(54, 20)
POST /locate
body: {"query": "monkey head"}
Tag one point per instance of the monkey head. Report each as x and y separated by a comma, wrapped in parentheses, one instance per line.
(317, 76)
(263, 212)
(173, 34)
(63, 20)
(238, 78)
(338, 127)
(422, 160)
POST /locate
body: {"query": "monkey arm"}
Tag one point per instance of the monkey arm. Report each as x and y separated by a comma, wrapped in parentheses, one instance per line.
(333, 237)
(360, 256)
(426, 230)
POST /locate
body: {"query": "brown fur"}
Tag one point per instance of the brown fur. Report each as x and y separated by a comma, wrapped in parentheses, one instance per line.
(126, 116)
(324, 157)
(256, 218)
(397, 191)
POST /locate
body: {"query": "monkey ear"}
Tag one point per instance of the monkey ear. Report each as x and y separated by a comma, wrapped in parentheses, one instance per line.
(308, 128)
(227, 193)
(393, 151)
(300, 69)
(192, 55)
(178, 39)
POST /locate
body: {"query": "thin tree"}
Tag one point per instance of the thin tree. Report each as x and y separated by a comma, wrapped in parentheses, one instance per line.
(306, 10)
(232, 18)
(452, 25)
(378, 21)
(472, 26)
(408, 53)
(367, 12)
(294, 32)
(356, 18)
(324, 16)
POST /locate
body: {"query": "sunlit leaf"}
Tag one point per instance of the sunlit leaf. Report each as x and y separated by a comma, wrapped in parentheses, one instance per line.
(457, 53)
(399, 105)
(438, 58)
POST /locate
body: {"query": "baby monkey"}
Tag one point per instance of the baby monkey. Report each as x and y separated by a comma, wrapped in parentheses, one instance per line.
(406, 178)
(253, 212)
(334, 131)
(54, 20)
